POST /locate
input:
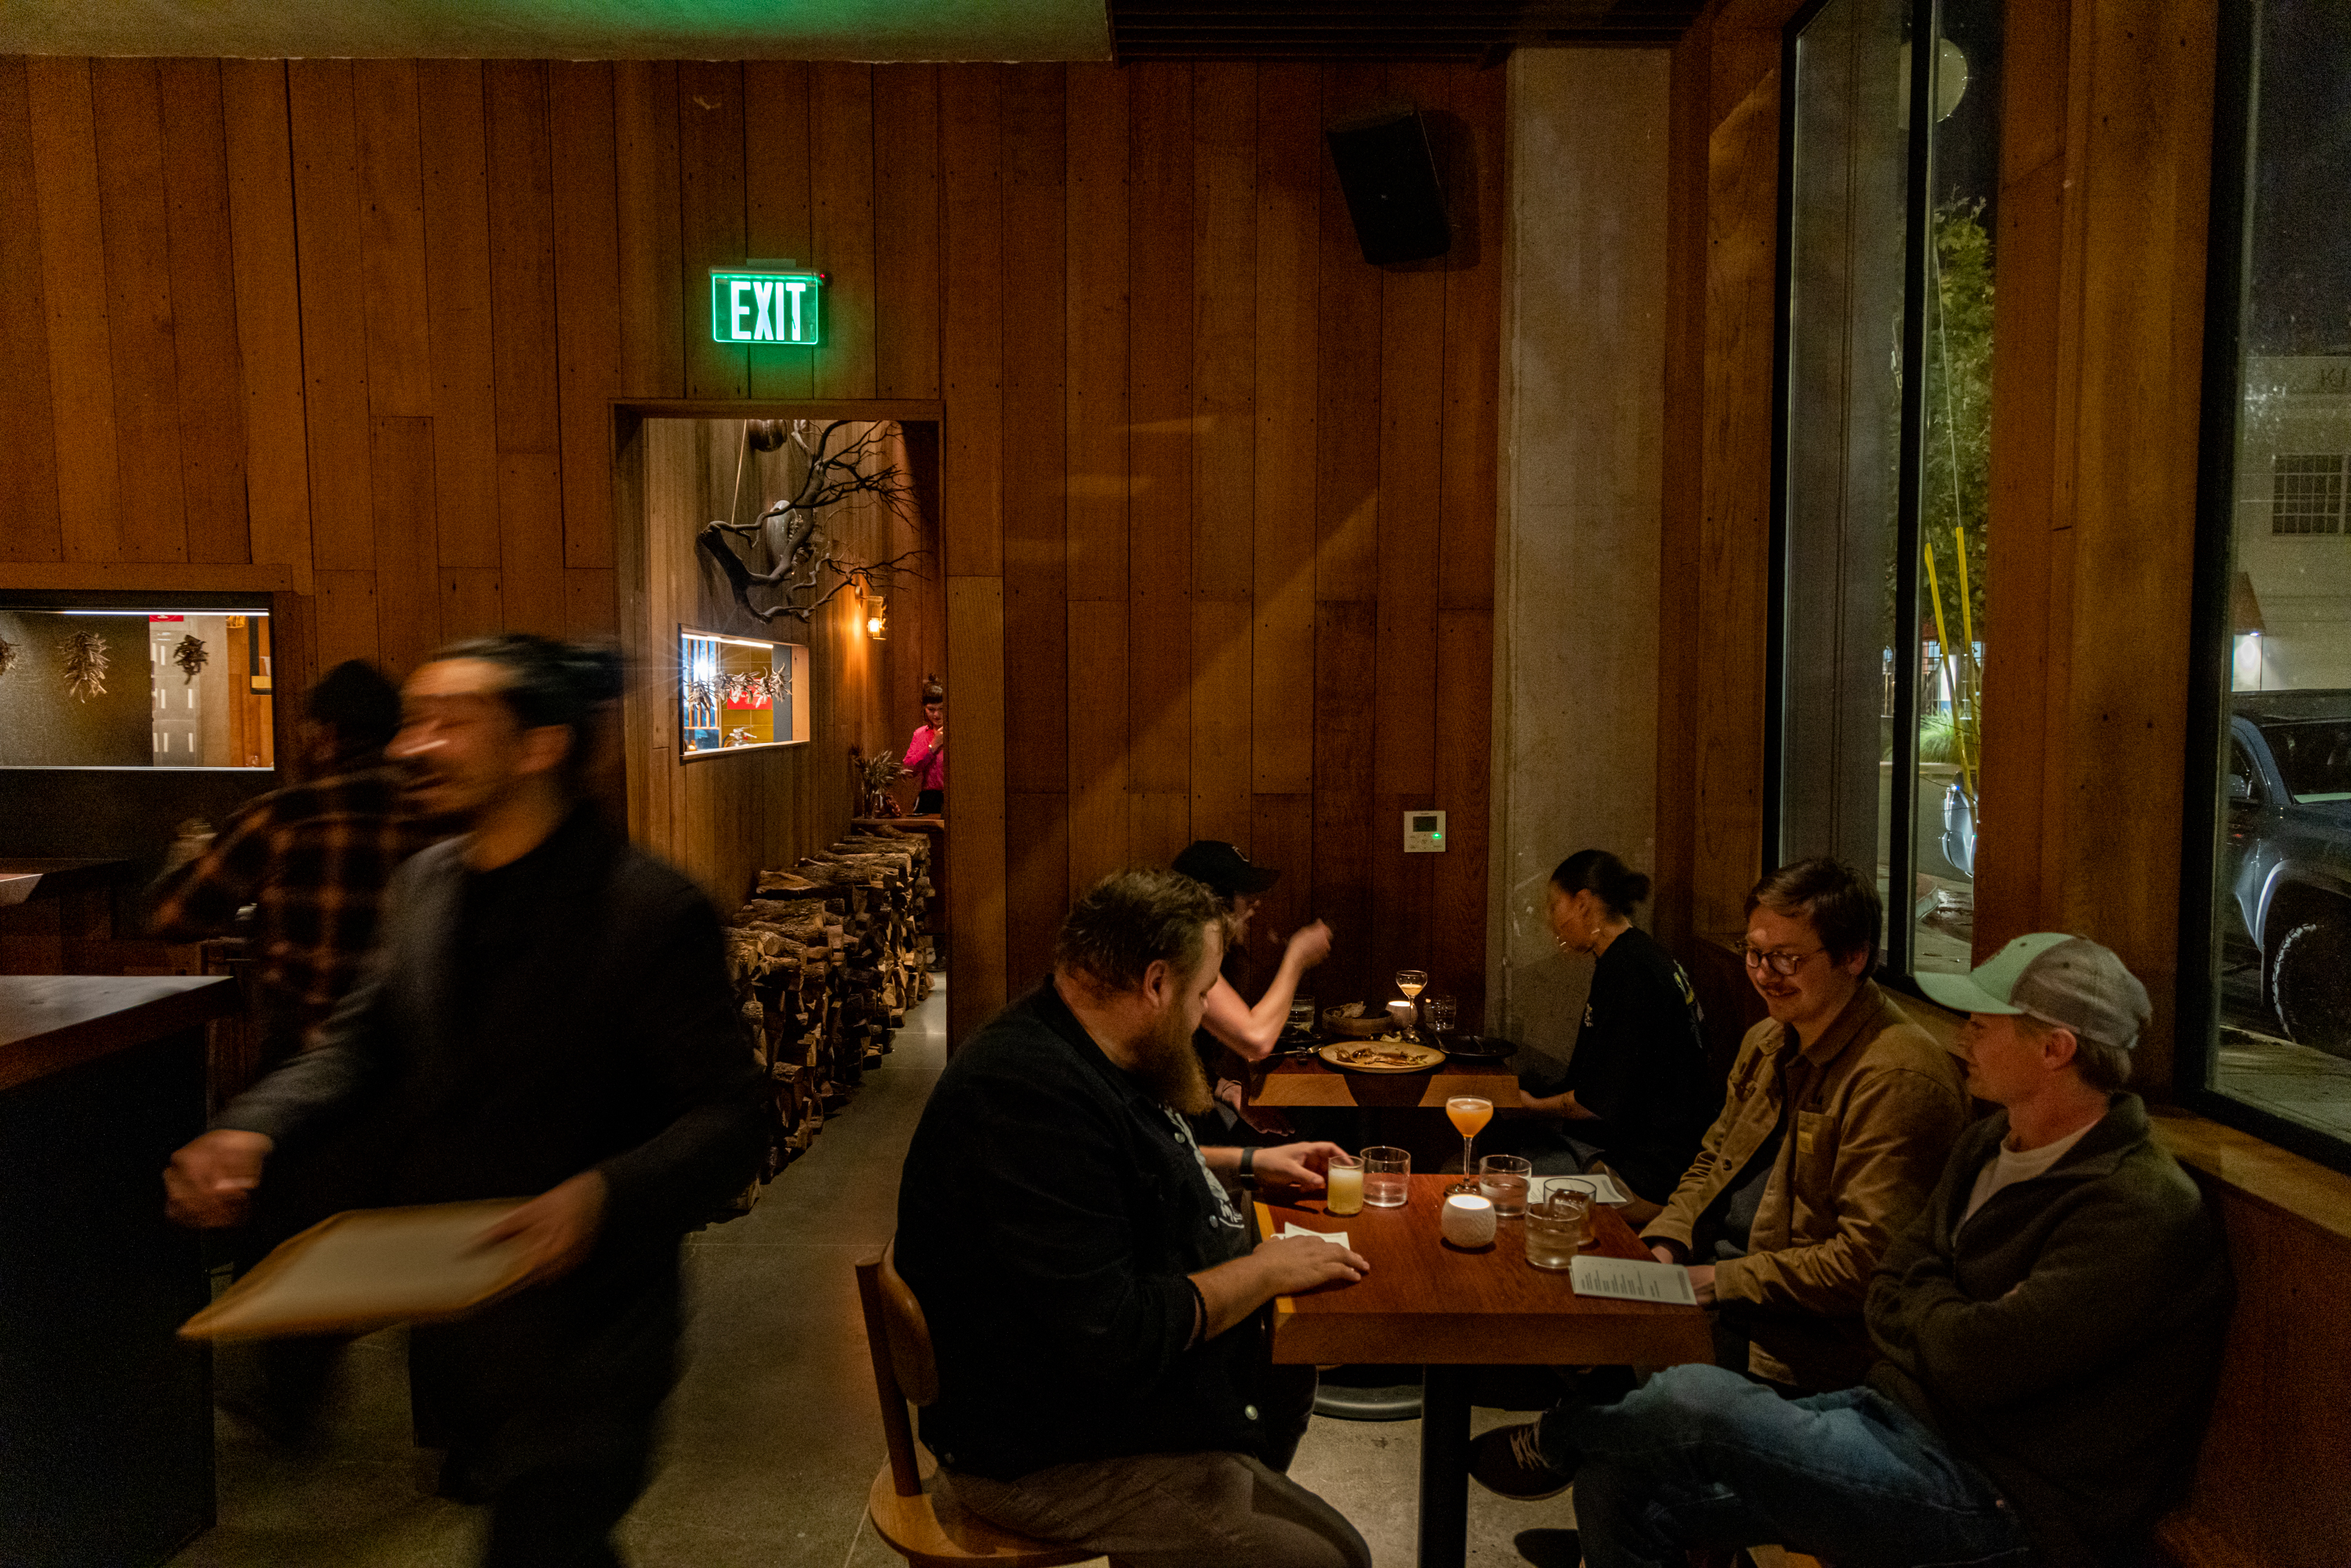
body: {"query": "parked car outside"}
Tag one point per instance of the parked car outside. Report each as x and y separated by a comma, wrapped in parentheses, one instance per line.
(2286, 857)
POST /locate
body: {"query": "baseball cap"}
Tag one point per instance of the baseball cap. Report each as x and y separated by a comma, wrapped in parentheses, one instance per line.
(1224, 867)
(2060, 979)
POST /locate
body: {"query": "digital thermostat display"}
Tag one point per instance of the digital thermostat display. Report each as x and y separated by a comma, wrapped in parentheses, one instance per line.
(1424, 833)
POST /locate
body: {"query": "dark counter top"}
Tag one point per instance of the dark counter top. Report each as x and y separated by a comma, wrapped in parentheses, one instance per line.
(22, 878)
(52, 1022)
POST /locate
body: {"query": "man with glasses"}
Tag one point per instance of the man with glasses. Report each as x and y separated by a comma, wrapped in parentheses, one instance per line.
(2048, 1335)
(1839, 1114)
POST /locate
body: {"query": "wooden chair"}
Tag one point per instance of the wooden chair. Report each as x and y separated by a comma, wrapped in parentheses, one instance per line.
(917, 1524)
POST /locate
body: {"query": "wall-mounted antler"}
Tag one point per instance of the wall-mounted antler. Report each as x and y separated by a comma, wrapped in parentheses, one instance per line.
(804, 554)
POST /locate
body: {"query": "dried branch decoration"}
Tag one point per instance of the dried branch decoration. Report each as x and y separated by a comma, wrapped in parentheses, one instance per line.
(805, 553)
(85, 666)
(7, 656)
(190, 656)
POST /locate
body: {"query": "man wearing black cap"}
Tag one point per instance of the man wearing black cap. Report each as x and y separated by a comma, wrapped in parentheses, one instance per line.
(2048, 1334)
(1230, 1024)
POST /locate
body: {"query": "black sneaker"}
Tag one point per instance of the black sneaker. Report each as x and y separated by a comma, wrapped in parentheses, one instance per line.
(1508, 1460)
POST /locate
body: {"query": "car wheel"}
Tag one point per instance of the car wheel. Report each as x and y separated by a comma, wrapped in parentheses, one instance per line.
(2311, 979)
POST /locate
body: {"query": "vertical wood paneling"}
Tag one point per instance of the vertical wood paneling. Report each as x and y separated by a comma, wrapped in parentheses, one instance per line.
(392, 238)
(138, 266)
(710, 198)
(841, 223)
(456, 185)
(776, 180)
(588, 303)
(1288, 190)
(73, 292)
(976, 849)
(211, 384)
(1347, 422)
(1457, 937)
(1036, 592)
(334, 310)
(1220, 720)
(1473, 347)
(653, 324)
(971, 336)
(1096, 345)
(254, 113)
(1223, 338)
(1345, 638)
(29, 463)
(1281, 835)
(906, 221)
(1098, 795)
(1159, 512)
(1168, 430)
(407, 575)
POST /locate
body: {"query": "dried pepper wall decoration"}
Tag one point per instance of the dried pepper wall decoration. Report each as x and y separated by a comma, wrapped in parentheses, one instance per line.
(189, 656)
(85, 666)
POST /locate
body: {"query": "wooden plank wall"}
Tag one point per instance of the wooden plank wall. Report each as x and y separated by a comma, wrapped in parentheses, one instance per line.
(1722, 243)
(1216, 496)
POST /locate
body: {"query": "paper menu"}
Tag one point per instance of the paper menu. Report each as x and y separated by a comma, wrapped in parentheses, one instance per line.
(364, 1269)
(1337, 1237)
(1632, 1280)
(1604, 1188)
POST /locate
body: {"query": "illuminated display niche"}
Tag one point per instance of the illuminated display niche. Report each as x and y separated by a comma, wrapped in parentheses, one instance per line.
(739, 694)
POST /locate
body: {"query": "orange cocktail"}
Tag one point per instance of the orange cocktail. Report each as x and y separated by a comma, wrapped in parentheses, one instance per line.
(1468, 1113)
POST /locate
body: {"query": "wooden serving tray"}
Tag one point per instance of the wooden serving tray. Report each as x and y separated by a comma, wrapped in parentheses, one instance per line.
(367, 1268)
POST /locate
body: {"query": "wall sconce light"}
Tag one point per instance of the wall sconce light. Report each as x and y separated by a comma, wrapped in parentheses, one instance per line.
(877, 620)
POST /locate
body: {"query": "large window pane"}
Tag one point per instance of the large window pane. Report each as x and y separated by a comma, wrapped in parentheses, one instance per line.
(1893, 165)
(2280, 903)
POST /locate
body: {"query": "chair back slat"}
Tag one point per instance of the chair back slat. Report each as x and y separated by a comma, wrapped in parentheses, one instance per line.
(911, 1354)
(897, 1432)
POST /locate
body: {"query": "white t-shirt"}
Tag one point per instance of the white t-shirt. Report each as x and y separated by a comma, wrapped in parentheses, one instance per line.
(2008, 1167)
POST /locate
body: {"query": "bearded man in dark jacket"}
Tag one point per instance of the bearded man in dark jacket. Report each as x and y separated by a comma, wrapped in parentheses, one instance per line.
(2048, 1334)
(547, 1012)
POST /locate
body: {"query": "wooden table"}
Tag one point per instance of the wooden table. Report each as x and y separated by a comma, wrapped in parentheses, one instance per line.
(105, 1422)
(1307, 1081)
(1452, 1310)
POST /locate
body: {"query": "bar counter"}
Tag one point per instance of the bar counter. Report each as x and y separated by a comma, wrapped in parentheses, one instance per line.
(106, 1443)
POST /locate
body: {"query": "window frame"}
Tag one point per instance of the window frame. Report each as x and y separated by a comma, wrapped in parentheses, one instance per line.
(1894, 964)
(2204, 797)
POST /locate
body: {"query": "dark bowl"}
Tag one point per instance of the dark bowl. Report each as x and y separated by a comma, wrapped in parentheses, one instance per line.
(1478, 1048)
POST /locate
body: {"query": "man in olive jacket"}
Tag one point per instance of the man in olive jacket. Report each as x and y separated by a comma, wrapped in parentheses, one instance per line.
(1839, 1114)
(2048, 1333)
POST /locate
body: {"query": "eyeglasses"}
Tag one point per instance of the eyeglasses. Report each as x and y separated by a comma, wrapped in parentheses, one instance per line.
(1783, 962)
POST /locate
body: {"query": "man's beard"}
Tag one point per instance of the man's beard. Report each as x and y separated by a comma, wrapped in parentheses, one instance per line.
(1170, 1069)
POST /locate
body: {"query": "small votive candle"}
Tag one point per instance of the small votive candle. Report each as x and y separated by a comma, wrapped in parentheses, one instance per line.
(1467, 1220)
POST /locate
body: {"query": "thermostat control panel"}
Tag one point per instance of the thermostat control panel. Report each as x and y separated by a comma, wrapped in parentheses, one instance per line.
(1424, 833)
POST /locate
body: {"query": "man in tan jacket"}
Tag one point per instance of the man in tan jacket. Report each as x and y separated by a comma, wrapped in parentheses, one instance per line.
(1839, 1114)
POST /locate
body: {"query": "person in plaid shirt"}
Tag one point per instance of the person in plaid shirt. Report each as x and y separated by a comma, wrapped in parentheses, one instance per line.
(312, 859)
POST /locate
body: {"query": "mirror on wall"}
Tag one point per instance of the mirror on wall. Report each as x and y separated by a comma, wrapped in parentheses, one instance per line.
(739, 694)
(166, 686)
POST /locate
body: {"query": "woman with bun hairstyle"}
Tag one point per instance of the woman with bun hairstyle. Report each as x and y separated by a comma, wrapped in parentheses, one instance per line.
(1636, 1097)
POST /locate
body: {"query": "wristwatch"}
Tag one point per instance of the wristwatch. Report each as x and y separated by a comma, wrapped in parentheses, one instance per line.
(1247, 1176)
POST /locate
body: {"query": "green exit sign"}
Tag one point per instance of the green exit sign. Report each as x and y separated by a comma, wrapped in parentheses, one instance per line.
(766, 308)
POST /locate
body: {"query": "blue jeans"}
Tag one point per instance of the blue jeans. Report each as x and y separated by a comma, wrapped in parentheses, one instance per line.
(1701, 1457)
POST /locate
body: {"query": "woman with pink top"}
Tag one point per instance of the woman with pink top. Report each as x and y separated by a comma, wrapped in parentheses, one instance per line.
(926, 752)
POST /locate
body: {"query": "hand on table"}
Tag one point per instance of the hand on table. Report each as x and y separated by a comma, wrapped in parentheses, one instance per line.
(1703, 1282)
(1298, 1263)
(209, 1184)
(557, 1228)
(1294, 1164)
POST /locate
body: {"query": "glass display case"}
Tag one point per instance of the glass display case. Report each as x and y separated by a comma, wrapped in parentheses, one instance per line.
(738, 694)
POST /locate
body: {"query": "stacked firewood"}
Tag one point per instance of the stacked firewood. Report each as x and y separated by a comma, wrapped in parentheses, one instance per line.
(826, 958)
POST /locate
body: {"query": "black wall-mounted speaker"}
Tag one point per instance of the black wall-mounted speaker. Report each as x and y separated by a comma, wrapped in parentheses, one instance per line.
(1389, 175)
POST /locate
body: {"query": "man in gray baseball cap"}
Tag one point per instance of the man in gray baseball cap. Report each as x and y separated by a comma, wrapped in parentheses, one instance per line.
(2048, 1334)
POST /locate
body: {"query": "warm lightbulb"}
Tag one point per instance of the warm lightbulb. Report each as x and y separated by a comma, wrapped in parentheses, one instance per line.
(872, 625)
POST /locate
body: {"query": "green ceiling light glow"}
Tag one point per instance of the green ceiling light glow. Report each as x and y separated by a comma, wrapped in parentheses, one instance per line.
(779, 308)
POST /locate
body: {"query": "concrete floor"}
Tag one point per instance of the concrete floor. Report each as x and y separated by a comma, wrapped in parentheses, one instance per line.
(773, 1435)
